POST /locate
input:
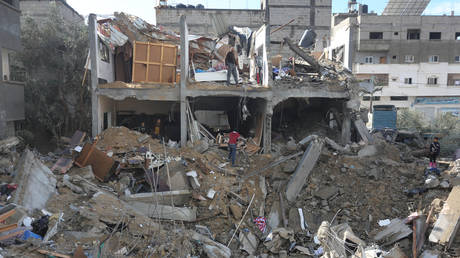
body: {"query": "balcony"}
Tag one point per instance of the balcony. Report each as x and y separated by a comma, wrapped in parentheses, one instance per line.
(12, 100)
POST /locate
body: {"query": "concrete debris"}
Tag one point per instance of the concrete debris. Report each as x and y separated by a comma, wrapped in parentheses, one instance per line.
(430, 254)
(357, 186)
(212, 248)
(36, 183)
(306, 165)
(248, 242)
(395, 231)
(369, 150)
(448, 222)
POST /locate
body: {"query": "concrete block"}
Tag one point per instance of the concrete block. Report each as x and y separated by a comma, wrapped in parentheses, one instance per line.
(363, 132)
(369, 150)
(306, 165)
(445, 228)
(164, 212)
(36, 183)
(395, 231)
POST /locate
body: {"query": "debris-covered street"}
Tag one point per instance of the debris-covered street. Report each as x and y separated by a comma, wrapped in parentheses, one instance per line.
(221, 133)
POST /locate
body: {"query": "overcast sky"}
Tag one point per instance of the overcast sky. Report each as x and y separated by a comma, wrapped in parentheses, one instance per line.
(144, 8)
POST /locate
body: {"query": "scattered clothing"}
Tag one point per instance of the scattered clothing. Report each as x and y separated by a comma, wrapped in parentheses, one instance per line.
(261, 223)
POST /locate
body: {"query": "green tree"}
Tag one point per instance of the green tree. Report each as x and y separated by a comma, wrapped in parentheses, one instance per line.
(54, 57)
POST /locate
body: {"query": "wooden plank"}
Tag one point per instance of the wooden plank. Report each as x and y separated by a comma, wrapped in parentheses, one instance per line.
(134, 63)
(8, 227)
(448, 222)
(147, 58)
(161, 66)
(7, 214)
(50, 253)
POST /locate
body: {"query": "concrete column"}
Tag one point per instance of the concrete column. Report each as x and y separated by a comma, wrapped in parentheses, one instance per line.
(268, 128)
(93, 48)
(184, 64)
(346, 127)
(3, 125)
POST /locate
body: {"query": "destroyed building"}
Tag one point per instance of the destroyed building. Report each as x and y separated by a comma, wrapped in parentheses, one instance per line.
(141, 73)
(310, 179)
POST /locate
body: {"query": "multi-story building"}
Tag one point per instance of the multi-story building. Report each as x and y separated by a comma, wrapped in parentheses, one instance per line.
(11, 91)
(415, 58)
(294, 15)
(39, 10)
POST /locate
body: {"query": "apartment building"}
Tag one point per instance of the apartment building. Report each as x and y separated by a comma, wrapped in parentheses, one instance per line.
(39, 10)
(11, 91)
(415, 58)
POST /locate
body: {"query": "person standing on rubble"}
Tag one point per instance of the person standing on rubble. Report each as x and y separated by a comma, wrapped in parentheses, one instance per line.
(435, 149)
(233, 140)
(156, 133)
(230, 62)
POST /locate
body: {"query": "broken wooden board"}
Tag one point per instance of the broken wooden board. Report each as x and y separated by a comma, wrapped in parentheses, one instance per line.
(306, 165)
(395, 231)
(103, 166)
(448, 222)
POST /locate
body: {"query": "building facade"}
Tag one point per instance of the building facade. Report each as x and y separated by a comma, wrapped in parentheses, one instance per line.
(39, 10)
(11, 91)
(294, 15)
(416, 59)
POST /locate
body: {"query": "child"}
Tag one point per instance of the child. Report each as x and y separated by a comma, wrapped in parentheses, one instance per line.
(435, 148)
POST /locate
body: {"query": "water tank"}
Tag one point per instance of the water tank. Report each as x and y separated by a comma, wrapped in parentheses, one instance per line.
(365, 8)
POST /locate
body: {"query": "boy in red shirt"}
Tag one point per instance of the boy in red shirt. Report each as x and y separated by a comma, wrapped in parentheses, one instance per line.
(233, 139)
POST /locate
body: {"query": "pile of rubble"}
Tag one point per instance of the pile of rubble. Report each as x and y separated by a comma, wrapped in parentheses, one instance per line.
(126, 194)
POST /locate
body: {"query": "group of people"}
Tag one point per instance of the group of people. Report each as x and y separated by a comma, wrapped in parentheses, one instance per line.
(155, 132)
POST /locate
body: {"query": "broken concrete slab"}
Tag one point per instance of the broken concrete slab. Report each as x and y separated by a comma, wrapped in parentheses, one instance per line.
(363, 131)
(327, 192)
(367, 151)
(179, 197)
(36, 183)
(448, 222)
(248, 242)
(306, 165)
(395, 252)
(164, 212)
(336, 146)
(212, 248)
(395, 231)
(289, 166)
(274, 216)
(237, 211)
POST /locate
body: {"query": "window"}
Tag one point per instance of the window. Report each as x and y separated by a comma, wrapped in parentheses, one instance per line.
(104, 52)
(394, 57)
(407, 80)
(435, 35)
(396, 33)
(399, 98)
(413, 34)
(375, 35)
(383, 60)
(409, 59)
(369, 60)
(368, 98)
(457, 59)
(432, 80)
(457, 35)
(433, 59)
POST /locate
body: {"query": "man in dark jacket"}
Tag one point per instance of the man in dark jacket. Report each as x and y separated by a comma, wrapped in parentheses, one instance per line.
(230, 62)
(435, 149)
